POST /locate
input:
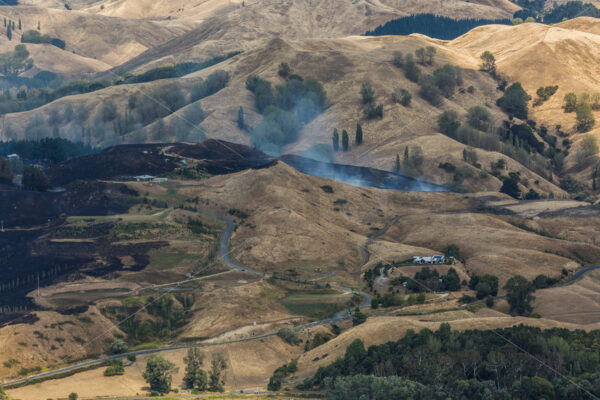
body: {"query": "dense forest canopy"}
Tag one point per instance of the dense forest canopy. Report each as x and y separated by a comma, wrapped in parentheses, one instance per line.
(431, 25)
(572, 9)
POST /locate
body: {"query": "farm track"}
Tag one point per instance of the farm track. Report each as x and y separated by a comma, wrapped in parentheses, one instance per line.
(225, 256)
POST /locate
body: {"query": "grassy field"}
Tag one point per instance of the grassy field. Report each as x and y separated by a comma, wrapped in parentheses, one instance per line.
(315, 303)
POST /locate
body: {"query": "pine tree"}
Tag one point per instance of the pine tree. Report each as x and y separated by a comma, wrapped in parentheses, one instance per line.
(344, 140)
(9, 33)
(405, 159)
(397, 164)
(336, 140)
(5, 22)
(20, 25)
(359, 134)
(39, 26)
(240, 121)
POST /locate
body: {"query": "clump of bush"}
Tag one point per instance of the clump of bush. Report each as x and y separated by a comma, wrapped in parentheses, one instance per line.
(33, 36)
(289, 335)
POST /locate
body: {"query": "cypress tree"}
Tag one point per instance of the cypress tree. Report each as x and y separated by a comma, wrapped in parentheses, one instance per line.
(344, 140)
(397, 164)
(359, 134)
(9, 33)
(20, 25)
(5, 22)
(336, 140)
(39, 26)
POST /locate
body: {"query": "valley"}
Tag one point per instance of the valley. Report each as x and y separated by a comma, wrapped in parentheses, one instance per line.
(299, 199)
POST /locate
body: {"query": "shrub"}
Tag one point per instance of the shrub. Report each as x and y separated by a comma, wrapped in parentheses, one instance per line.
(284, 70)
(585, 118)
(479, 118)
(118, 347)
(570, 102)
(320, 338)
(411, 70)
(33, 36)
(367, 93)
(429, 90)
(114, 367)
(448, 123)
(446, 79)
(373, 111)
(402, 96)
(289, 335)
(544, 93)
(398, 60)
(213, 83)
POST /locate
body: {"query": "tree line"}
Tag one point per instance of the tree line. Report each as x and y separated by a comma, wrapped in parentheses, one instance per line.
(159, 373)
(512, 363)
(434, 26)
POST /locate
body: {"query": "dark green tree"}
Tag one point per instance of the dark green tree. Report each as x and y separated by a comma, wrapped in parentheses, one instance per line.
(335, 139)
(519, 293)
(488, 62)
(397, 164)
(514, 101)
(479, 118)
(284, 70)
(118, 347)
(367, 93)
(359, 317)
(448, 123)
(9, 32)
(411, 70)
(158, 374)
(195, 377)
(216, 380)
(510, 186)
(429, 54)
(359, 134)
(73, 396)
(345, 140)
(20, 25)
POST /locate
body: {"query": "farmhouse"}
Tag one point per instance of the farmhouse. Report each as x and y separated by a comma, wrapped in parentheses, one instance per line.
(429, 260)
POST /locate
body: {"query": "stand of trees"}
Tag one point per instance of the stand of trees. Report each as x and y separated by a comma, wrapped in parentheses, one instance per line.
(286, 108)
(534, 10)
(432, 26)
(512, 363)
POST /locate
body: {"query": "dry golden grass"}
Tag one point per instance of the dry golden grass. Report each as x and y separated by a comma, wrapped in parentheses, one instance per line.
(249, 366)
(105, 42)
(292, 219)
(53, 340)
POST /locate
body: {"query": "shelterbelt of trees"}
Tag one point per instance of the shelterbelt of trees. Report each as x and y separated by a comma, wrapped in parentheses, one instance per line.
(511, 363)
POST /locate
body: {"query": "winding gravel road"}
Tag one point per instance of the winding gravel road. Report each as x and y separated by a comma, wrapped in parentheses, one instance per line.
(225, 255)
